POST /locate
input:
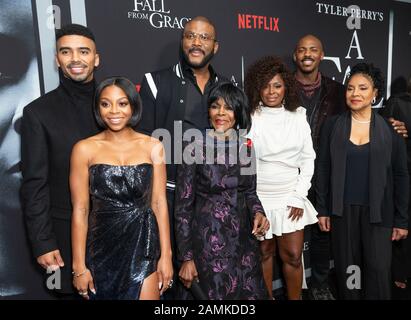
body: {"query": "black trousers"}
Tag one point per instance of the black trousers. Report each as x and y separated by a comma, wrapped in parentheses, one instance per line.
(400, 260)
(320, 255)
(320, 251)
(362, 255)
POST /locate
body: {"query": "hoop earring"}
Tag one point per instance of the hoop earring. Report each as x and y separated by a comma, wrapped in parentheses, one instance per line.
(374, 100)
(260, 105)
(283, 102)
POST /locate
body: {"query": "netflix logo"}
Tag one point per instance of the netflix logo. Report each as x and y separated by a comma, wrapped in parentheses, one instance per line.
(250, 21)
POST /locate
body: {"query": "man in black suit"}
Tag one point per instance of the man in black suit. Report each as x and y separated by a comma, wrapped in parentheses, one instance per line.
(323, 98)
(51, 125)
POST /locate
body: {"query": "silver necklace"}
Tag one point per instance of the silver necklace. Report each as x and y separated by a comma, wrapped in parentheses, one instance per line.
(359, 121)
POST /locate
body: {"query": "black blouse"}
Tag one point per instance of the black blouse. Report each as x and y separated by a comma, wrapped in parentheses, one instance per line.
(356, 191)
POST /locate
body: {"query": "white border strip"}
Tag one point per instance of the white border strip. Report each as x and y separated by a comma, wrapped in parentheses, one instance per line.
(390, 48)
(78, 12)
(47, 45)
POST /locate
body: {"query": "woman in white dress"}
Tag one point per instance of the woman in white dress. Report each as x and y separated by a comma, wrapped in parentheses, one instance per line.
(282, 139)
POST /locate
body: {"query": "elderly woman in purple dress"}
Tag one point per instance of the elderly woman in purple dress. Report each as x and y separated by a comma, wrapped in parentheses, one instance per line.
(218, 215)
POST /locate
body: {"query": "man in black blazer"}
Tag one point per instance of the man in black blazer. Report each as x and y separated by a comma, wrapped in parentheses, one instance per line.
(51, 125)
(322, 97)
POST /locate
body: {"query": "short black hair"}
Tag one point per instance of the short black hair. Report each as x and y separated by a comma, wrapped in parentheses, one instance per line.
(236, 99)
(75, 29)
(132, 95)
(372, 72)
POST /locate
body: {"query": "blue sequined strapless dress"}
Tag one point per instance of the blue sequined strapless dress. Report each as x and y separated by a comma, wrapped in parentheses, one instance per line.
(123, 240)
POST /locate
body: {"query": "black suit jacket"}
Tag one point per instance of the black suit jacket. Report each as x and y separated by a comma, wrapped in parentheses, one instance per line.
(393, 203)
(163, 94)
(51, 125)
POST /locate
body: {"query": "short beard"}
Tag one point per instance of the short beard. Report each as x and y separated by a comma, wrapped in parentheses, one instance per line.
(200, 65)
(81, 79)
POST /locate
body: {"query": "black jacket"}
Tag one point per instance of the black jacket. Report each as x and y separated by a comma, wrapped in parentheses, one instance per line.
(389, 209)
(51, 125)
(331, 102)
(164, 94)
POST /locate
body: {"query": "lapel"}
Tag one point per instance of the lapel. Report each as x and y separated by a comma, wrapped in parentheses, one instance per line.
(380, 163)
(339, 144)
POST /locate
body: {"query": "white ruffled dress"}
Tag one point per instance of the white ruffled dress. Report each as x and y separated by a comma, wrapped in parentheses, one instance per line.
(285, 166)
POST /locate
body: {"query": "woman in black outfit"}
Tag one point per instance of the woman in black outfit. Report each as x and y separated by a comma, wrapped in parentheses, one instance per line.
(362, 189)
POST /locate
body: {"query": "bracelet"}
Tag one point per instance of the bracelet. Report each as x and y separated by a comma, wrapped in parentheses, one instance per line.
(79, 274)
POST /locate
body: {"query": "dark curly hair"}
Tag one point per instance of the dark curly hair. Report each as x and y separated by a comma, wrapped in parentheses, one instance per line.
(372, 73)
(260, 73)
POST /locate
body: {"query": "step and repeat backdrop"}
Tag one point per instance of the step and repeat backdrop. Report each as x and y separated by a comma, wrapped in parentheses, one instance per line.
(137, 36)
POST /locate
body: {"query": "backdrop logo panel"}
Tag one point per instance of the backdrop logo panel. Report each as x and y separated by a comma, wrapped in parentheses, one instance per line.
(351, 11)
(157, 14)
(354, 46)
(251, 21)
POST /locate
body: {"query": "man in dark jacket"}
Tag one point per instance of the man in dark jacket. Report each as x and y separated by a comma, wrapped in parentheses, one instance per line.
(322, 97)
(51, 125)
(175, 99)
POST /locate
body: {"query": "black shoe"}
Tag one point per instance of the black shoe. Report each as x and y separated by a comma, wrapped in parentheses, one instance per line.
(321, 294)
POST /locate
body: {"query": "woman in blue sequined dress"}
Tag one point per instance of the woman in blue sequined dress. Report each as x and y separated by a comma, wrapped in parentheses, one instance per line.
(121, 239)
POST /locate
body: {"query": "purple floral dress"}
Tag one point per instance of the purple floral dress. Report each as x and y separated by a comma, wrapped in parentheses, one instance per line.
(214, 212)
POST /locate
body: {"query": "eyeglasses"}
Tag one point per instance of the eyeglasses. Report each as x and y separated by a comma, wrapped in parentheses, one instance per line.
(204, 37)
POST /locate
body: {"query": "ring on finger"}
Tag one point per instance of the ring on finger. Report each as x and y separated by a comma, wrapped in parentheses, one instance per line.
(170, 284)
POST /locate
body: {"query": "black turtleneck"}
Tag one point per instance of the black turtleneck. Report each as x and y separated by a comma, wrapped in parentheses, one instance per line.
(80, 98)
(77, 90)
